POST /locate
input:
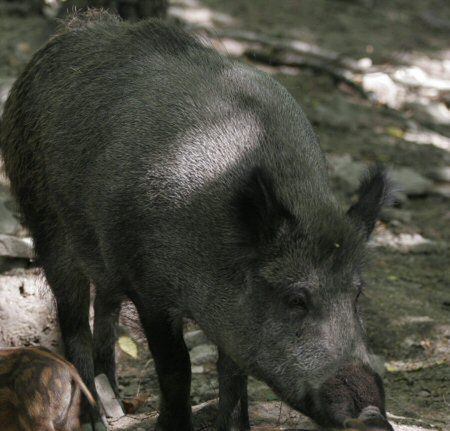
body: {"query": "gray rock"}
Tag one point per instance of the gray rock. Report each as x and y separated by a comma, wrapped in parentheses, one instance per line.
(442, 190)
(414, 76)
(195, 338)
(13, 246)
(203, 354)
(197, 369)
(410, 182)
(110, 403)
(434, 113)
(404, 242)
(384, 89)
(344, 169)
(441, 173)
(427, 137)
(204, 387)
(8, 223)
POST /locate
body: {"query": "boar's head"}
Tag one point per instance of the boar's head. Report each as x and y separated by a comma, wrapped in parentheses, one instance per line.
(300, 322)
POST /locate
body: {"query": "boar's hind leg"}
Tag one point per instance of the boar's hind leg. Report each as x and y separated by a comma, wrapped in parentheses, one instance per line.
(233, 404)
(106, 320)
(71, 289)
(173, 366)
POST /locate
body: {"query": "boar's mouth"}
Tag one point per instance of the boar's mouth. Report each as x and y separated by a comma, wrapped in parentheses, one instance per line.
(355, 393)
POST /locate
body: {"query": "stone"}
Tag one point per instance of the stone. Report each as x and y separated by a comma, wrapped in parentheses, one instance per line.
(441, 173)
(442, 190)
(8, 223)
(203, 354)
(404, 242)
(197, 369)
(13, 246)
(108, 398)
(411, 182)
(346, 170)
(195, 338)
(414, 76)
(427, 137)
(383, 89)
(434, 113)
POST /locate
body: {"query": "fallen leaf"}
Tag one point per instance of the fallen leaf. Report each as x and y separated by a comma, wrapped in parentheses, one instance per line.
(128, 345)
(395, 132)
(392, 278)
(132, 405)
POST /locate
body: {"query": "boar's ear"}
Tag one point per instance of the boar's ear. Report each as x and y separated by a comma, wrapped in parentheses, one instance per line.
(259, 209)
(375, 191)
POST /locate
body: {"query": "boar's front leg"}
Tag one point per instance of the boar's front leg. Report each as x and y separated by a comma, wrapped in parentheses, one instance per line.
(106, 319)
(233, 404)
(172, 363)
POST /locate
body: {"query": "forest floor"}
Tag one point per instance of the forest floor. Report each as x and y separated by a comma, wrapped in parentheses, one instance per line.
(390, 104)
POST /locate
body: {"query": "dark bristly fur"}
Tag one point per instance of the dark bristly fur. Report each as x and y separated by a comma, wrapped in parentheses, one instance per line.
(127, 9)
(375, 192)
(193, 185)
(259, 209)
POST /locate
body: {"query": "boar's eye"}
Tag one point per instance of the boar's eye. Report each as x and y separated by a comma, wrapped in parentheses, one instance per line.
(297, 301)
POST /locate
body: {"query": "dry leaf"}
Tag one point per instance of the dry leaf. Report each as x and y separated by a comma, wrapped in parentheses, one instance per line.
(132, 405)
(129, 346)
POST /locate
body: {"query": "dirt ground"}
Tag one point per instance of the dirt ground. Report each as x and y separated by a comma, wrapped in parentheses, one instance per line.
(405, 126)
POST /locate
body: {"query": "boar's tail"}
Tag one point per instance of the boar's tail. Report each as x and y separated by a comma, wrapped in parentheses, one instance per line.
(72, 371)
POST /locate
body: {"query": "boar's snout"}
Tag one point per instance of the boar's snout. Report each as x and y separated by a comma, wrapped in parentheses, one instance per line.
(354, 395)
